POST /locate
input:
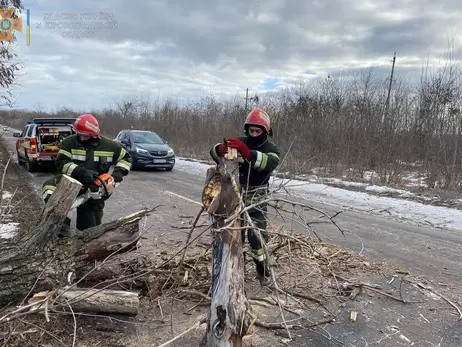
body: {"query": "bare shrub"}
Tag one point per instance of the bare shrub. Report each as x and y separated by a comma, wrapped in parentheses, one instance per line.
(339, 125)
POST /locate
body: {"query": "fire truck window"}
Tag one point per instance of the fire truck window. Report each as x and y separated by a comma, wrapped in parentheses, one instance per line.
(29, 133)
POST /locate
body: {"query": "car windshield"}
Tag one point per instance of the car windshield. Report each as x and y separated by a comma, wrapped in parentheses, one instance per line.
(146, 137)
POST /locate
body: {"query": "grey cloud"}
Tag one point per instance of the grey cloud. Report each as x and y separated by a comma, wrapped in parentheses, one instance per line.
(207, 31)
(409, 37)
(185, 45)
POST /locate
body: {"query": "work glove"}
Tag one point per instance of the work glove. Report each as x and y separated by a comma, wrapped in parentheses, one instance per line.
(85, 176)
(118, 177)
(222, 149)
(241, 148)
(89, 177)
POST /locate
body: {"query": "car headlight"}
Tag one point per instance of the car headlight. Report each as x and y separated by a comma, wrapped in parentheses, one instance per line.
(170, 152)
(141, 150)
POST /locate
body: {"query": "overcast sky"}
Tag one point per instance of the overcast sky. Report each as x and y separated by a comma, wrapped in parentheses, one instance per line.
(189, 48)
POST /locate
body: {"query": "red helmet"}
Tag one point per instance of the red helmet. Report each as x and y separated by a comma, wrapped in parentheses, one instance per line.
(87, 124)
(260, 118)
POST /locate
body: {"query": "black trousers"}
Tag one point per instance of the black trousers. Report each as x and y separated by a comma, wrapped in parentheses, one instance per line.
(90, 214)
(258, 217)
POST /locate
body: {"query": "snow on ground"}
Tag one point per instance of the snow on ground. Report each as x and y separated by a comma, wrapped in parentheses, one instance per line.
(8, 229)
(408, 211)
(6, 195)
(346, 183)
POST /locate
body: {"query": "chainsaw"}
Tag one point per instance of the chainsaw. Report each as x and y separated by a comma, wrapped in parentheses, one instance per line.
(105, 184)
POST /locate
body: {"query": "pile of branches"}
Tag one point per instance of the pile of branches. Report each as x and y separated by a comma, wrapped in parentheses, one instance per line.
(301, 262)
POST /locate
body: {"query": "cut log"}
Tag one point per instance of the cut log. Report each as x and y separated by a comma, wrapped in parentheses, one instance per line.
(37, 260)
(105, 301)
(91, 300)
(52, 216)
(229, 317)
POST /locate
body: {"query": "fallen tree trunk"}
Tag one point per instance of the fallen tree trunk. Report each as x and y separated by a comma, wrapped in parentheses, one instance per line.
(229, 316)
(37, 260)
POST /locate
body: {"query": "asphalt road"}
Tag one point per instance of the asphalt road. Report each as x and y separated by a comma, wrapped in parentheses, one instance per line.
(431, 252)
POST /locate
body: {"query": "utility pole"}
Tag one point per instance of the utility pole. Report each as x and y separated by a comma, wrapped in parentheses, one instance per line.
(387, 105)
(246, 98)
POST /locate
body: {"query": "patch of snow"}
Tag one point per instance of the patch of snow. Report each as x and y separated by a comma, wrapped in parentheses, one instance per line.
(405, 210)
(6, 195)
(339, 181)
(384, 189)
(192, 166)
(312, 178)
(369, 175)
(353, 184)
(8, 230)
(414, 179)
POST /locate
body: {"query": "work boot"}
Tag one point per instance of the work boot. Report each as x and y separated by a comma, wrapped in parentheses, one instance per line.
(65, 230)
(264, 273)
(265, 281)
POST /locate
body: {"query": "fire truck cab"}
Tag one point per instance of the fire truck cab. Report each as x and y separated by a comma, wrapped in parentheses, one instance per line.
(38, 143)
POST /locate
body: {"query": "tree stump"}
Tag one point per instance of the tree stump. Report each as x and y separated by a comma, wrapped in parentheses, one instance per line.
(229, 316)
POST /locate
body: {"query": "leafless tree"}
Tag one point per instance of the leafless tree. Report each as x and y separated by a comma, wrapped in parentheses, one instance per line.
(332, 126)
(10, 64)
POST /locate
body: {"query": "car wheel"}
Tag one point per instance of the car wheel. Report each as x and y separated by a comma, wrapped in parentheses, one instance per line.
(18, 157)
(169, 168)
(30, 165)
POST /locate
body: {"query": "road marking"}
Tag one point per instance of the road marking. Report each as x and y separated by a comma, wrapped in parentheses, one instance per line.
(183, 197)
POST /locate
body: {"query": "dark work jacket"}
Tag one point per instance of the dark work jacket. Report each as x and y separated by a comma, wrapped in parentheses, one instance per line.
(97, 156)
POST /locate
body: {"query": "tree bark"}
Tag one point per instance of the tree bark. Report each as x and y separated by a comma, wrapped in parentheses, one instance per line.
(229, 318)
(52, 216)
(100, 301)
(37, 260)
(86, 300)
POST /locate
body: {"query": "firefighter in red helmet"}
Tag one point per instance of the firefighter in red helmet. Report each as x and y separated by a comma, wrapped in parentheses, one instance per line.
(258, 158)
(84, 156)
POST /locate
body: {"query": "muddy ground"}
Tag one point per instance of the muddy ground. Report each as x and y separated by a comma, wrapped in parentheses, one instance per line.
(392, 307)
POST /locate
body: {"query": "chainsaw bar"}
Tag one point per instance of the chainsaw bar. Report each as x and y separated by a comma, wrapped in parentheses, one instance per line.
(80, 200)
(88, 194)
